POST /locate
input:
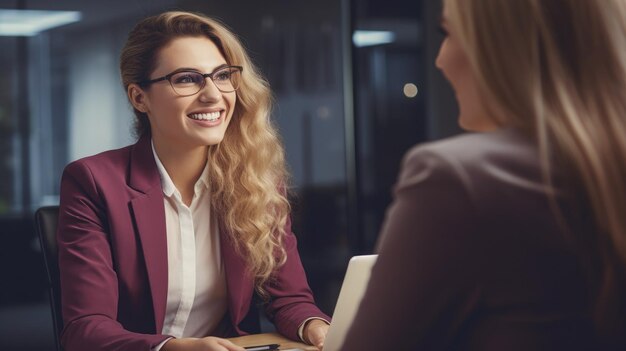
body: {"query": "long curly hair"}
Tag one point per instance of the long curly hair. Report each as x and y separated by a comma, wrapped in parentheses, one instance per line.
(247, 169)
(557, 69)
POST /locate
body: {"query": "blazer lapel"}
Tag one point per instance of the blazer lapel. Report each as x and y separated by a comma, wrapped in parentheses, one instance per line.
(149, 215)
(238, 279)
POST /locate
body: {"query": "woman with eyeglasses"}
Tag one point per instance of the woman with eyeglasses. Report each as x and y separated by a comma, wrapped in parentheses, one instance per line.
(513, 237)
(171, 243)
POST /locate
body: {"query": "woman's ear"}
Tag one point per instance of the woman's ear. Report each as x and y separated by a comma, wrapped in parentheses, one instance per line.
(137, 98)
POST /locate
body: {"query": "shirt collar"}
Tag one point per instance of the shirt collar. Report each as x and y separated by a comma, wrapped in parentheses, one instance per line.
(168, 185)
(203, 181)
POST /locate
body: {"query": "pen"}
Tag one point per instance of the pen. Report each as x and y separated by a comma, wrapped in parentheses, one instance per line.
(269, 347)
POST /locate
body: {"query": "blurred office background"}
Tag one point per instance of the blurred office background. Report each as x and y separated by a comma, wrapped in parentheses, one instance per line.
(355, 86)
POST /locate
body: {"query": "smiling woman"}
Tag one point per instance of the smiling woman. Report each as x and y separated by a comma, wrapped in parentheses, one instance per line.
(169, 238)
(184, 116)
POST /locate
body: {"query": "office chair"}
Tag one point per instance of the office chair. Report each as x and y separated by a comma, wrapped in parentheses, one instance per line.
(46, 225)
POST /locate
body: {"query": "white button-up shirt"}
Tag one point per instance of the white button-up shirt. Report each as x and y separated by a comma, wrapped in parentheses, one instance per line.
(196, 291)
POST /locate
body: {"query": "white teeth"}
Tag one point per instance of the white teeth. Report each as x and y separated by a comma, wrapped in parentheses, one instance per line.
(213, 116)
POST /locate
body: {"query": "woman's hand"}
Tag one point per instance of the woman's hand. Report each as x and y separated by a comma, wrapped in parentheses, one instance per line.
(209, 343)
(315, 332)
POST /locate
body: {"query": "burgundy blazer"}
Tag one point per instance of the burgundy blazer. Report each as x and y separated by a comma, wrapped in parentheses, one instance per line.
(113, 259)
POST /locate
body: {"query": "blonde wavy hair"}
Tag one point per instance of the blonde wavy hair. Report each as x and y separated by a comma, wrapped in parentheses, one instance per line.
(247, 169)
(557, 69)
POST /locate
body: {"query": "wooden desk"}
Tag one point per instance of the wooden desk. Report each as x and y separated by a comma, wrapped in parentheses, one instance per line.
(271, 338)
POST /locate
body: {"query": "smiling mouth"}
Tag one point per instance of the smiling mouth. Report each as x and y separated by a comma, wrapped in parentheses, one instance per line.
(210, 117)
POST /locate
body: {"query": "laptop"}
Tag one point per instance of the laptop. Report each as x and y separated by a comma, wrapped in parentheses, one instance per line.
(350, 296)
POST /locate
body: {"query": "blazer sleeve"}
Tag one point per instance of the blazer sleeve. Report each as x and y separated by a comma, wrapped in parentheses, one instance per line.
(89, 285)
(291, 301)
(423, 284)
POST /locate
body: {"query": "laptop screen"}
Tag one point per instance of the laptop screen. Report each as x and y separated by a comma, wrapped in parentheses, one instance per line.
(350, 295)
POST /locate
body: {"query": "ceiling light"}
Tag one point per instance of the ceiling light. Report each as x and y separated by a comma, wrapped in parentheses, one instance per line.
(410, 90)
(362, 38)
(33, 22)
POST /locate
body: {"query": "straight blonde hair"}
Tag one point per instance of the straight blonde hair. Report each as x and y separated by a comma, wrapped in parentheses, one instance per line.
(557, 69)
(247, 169)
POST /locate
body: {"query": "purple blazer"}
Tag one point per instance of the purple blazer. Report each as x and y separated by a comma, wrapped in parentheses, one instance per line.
(113, 259)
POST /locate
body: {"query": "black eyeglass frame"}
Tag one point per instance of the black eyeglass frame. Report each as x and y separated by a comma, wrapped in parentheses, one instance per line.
(169, 76)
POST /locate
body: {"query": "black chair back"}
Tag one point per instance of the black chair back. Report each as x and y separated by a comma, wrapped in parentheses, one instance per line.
(46, 219)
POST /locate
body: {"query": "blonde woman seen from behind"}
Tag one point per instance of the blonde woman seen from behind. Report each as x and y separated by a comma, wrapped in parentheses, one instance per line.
(513, 237)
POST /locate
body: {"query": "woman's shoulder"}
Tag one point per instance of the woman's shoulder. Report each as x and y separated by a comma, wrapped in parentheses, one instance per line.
(478, 152)
(486, 146)
(478, 161)
(106, 161)
(109, 157)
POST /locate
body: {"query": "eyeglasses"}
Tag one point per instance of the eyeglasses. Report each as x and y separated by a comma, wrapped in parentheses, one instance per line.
(187, 83)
